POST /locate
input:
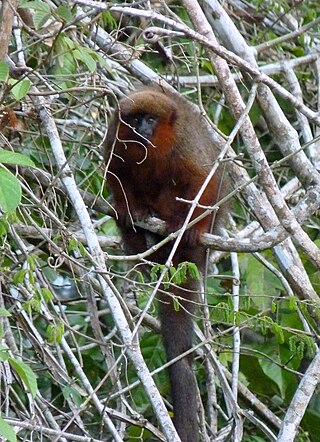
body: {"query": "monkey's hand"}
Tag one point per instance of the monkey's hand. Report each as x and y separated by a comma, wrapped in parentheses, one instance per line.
(123, 216)
(191, 236)
(126, 217)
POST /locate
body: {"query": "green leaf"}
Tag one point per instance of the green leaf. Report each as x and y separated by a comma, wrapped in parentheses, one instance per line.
(72, 245)
(40, 17)
(82, 250)
(85, 56)
(4, 227)
(18, 277)
(55, 333)
(4, 71)
(20, 88)
(274, 372)
(273, 306)
(220, 312)
(7, 431)
(33, 305)
(31, 262)
(26, 374)
(41, 9)
(176, 304)
(155, 271)
(37, 5)
(194, 271)
(301, 345)
(277, 330)
(46, 294)
(10, 191)
(74, 394)
(177, 275)
(64, 13)
(4, 313)
(255, 277)
(109, 20)
(8, 157)
(4, 355)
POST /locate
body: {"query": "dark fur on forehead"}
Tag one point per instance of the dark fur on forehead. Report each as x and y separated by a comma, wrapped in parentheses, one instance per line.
(149, 101)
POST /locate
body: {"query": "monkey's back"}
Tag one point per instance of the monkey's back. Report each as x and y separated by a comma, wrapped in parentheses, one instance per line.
(195, 140)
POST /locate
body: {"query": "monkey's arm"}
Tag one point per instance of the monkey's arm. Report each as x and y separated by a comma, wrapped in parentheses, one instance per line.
(122, 199)
(174, 212)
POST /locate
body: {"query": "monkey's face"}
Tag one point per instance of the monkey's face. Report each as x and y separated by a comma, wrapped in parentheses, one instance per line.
(136, 137)
(142, 126)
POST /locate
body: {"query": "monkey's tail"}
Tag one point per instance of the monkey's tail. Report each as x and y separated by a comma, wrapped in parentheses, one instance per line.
(177, 332)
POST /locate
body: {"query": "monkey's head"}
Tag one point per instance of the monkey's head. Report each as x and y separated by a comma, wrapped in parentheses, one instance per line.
(147, 118)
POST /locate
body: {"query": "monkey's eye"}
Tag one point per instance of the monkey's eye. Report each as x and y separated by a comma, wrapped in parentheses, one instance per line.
(150, 120)
(135, 121)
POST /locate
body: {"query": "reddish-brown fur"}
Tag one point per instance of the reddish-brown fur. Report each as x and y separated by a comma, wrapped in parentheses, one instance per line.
(145, 177)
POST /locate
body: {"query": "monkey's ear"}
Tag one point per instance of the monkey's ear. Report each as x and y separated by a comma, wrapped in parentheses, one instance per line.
(111, 136)
(173, 117)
